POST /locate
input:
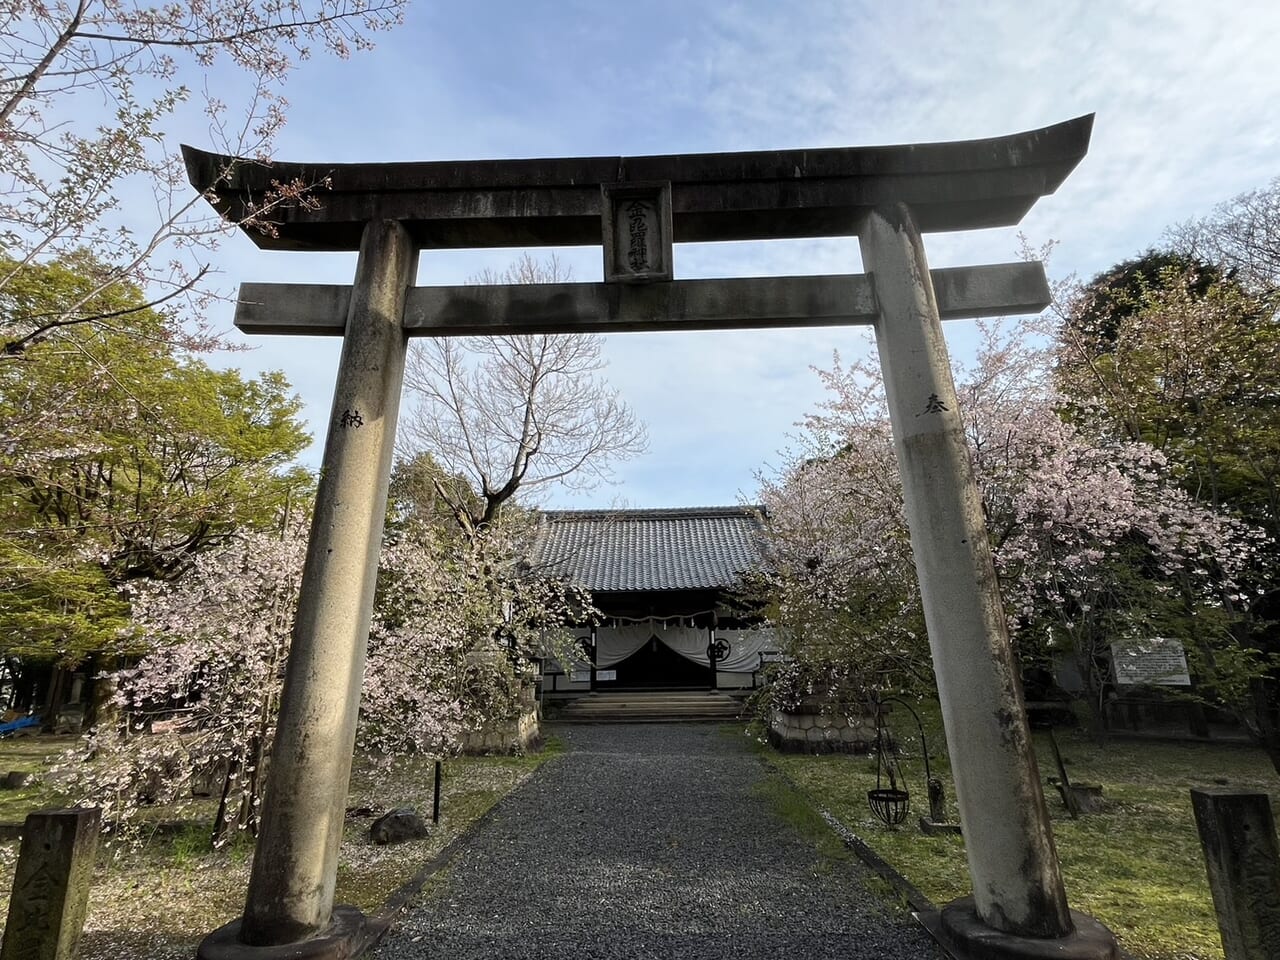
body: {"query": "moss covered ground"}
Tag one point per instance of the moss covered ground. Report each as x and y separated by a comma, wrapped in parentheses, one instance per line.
(1137, 866)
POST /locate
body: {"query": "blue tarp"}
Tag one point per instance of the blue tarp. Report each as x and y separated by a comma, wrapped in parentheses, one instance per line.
(20, 724)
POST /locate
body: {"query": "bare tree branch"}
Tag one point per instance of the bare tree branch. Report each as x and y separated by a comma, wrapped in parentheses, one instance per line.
(516, 413)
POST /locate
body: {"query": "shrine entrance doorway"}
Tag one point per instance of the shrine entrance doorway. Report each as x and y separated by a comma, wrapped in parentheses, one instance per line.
(655, 666)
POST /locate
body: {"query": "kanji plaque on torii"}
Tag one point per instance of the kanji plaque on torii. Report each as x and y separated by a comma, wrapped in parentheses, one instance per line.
(636, 232)
(636, 208)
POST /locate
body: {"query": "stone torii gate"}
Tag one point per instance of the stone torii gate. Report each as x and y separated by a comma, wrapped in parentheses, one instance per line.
(636, 208)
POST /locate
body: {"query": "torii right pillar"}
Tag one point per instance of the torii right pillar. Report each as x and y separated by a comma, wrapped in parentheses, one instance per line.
(1018, 908)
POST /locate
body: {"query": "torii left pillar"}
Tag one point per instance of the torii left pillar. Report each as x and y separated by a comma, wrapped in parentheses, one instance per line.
(289, 909)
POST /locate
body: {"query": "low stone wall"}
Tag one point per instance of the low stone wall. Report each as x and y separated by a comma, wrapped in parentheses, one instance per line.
(516, 735)
(810, 731)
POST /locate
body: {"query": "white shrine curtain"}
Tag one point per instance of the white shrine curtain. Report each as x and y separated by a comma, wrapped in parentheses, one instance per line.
(615, 644)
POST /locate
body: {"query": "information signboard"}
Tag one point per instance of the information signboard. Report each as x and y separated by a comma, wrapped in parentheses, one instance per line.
(1155, 660)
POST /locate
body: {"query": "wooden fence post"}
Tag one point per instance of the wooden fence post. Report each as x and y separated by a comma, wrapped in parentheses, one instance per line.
(1238, 833)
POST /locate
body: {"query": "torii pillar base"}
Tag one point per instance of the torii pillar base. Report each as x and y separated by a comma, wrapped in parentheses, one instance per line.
(349, 934)
(959, 929)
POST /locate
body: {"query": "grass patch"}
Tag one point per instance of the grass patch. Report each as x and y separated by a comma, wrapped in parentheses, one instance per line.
(1137, 866)
(31, 753)
(795, 810)
(470, 786)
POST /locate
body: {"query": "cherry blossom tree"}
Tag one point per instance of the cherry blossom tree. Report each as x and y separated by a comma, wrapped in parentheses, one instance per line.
(200, 705)
(1094, 541)
(458, 622)
(1190, 364)
(455, 618)
(841, 578)
(90, 93)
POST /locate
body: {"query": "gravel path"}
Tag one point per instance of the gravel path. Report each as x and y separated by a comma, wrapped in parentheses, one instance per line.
(648, 841)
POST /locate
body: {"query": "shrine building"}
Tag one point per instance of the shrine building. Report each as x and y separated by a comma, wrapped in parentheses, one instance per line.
(665, 582)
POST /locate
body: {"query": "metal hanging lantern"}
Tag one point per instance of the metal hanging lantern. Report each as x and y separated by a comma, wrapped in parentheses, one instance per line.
(892, 803)
(936, 821)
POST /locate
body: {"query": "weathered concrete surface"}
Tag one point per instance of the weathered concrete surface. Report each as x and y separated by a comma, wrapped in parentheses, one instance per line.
(963, 185)
(969, 938)
(1238, 833)
(743, 303)
(294, 869)
(51, 884)
(348, 934)
(1012, 862)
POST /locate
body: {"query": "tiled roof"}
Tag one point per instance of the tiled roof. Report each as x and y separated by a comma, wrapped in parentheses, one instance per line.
(692, 548)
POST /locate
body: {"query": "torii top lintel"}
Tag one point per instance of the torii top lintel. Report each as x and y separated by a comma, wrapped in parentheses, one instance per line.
(959, 185)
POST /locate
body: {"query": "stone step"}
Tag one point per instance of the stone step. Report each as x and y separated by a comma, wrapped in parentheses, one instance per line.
(650, 706)
(708, 711)
(652, 702)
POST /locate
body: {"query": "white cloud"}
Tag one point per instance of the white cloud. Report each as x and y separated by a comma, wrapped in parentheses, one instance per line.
(1184, 92)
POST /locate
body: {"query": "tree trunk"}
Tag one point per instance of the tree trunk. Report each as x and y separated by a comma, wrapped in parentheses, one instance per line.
(249, 795)
(57, 696)
(1264, 695)
(27, 680)
(220, 823)
(93, 689)
(13, 673)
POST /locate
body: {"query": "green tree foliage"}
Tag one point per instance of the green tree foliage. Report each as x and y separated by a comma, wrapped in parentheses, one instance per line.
(121, 457)
(58, 611)
(1099, 308)
(1178, 353)
(424, 493)
(1187, 361)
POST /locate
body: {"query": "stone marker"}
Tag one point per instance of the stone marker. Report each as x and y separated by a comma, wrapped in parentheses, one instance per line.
(51, 885)
(1238, 834)
(936, 822)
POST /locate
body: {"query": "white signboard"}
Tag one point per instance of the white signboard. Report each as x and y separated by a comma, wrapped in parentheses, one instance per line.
(606, 675)
(580, 676)
(1156, 660)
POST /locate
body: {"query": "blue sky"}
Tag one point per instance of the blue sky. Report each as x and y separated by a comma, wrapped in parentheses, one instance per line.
(1185, 94)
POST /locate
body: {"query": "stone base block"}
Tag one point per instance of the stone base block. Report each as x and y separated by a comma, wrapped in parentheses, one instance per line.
(521, 734)
(935, 828)
(963, 933)
(348, 935)
(813, 733)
